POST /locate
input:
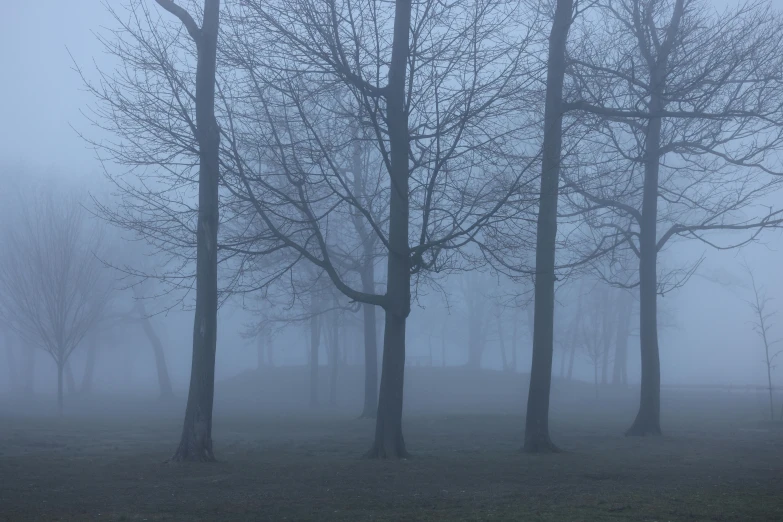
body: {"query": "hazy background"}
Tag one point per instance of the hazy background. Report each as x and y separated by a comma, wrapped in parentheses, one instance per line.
(710, 342)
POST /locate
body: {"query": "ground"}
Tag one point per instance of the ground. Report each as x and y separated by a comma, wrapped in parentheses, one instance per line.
(714, 463)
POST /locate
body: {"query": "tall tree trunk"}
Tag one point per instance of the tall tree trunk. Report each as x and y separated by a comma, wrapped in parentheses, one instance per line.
(315, 341)
(537, 419)
(625, 311)
(648, 420)
(89, 366)
(196, 440)
(389, 442)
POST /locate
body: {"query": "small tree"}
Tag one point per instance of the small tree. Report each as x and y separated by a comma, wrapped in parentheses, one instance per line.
(54, 288)
(762, 324)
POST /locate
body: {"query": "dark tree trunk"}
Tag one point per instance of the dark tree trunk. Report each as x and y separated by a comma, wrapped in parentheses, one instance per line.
(389, 442)
(647, 421)
(196, 441)
(89, 367)
(625, 311)
(315, 342)
(537, 419)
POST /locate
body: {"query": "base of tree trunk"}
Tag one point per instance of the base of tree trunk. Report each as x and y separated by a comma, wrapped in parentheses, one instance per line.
(190, 451)
(540, 446)
(643, 427)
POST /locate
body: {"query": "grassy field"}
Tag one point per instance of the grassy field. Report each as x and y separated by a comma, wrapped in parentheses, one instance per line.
(713, 464)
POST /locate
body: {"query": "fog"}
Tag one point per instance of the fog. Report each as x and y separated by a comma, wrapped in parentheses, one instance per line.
(97, 136)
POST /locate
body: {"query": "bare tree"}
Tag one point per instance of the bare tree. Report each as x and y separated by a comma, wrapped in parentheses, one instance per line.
(54, 288)
(685, 104)
(537, 419)
(196, 440)
(444, 115)
(762, 324)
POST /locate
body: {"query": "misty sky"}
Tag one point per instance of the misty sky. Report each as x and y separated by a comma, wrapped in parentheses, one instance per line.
(712, 341)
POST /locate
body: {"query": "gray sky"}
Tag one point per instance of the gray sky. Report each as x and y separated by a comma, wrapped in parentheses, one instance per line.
(40, 92)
